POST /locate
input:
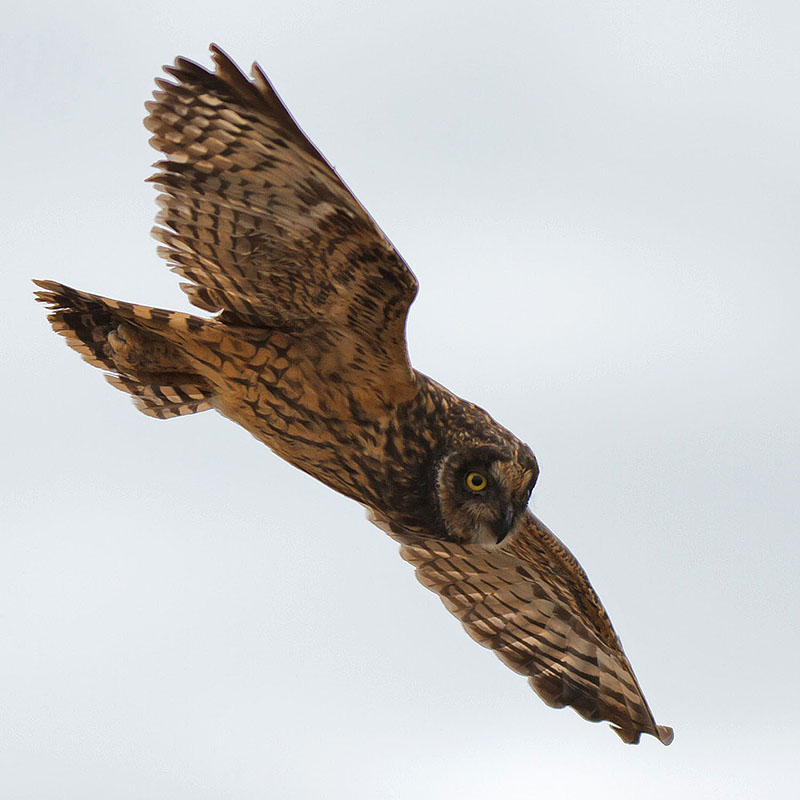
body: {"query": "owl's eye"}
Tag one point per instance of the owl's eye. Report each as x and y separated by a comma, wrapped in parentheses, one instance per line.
(476, 481)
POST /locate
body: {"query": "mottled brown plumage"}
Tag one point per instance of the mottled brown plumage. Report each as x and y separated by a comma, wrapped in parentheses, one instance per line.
(305, 348)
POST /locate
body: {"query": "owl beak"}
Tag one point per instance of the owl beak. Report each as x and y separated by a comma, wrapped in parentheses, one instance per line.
(505, 524)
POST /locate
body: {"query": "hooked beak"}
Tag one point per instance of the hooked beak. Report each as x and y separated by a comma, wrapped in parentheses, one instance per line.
(503, 526)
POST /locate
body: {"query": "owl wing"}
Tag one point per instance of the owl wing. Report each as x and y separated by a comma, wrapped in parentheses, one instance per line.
(532, 603)
(264, 229)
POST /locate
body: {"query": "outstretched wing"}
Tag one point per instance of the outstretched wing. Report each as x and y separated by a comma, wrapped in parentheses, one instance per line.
(264, 229)
(533, 605)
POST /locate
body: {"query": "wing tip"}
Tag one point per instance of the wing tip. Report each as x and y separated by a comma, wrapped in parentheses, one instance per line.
(663, 733)
(222, 61)
(229, 72)
(47, 285)
(218, 53)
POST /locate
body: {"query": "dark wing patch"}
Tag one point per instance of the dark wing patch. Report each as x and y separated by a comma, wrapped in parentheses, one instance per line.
(530, 605)
(263, 227)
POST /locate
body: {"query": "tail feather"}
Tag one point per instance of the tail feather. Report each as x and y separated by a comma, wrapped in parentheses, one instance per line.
(132, 344)
(164, 401)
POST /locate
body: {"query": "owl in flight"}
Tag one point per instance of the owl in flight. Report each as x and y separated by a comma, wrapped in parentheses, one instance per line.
(305, 347)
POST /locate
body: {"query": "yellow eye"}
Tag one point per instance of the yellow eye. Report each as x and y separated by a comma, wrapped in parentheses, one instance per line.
(476, 482)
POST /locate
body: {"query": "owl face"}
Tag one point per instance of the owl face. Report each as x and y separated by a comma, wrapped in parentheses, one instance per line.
(483, 491)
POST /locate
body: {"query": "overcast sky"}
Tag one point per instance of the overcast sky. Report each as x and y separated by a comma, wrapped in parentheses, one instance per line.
(600, 201)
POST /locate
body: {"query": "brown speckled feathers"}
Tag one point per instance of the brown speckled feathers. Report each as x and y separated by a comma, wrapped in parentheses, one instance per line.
(534, 607)
(303, 344)
(264, 228)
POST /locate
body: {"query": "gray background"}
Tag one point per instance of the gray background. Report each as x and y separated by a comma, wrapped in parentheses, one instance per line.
(600, 201)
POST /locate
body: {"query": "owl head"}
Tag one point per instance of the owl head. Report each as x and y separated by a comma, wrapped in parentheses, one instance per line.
(483, 490)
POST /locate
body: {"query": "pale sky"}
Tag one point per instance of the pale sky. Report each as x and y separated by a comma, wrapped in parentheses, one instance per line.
(601, 203)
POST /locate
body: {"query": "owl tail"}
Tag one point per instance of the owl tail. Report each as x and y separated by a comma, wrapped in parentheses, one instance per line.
(142, 349)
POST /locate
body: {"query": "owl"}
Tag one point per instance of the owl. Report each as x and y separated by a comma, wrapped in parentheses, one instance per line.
(303, 344)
